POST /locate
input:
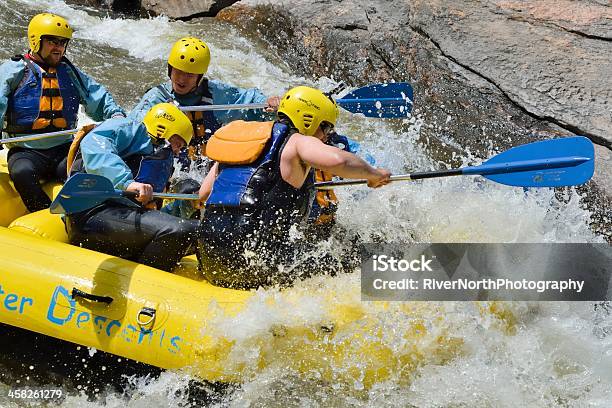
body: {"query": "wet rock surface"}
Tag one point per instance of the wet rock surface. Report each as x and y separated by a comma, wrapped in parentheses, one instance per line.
(486, 74)
(176, 9)
(129, 6)
(551, 59)
(185, 9)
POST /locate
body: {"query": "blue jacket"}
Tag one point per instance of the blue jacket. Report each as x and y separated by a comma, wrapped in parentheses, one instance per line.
(106, 146)
(223, 94)
(97, 101)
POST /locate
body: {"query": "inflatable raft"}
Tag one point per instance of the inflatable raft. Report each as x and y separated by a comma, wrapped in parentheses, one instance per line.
(179, 321)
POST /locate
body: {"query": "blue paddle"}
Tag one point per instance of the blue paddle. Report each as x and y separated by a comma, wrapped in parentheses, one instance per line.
(84, 191)
(392, 100)
(550, 163)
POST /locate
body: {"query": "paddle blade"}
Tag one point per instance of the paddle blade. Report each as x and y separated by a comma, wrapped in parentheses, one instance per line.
(549, 163)
(82, 192)
(392, 100)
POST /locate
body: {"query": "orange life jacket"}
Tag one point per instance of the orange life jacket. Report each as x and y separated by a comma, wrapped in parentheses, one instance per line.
(326, 199)
(50, 101)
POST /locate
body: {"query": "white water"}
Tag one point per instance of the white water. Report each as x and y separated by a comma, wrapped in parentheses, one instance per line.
(552, 354)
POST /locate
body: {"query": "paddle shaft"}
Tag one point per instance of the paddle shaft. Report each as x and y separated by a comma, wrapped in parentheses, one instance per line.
(328, 185)
(484, 170)
(223, 107)
(162, 196)
(41, 136)
(382, 101)
(340, 102)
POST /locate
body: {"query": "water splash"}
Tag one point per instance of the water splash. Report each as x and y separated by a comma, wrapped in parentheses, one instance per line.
(445, 354)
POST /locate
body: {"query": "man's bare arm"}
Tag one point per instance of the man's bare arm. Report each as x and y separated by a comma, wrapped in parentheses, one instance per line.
(207, 184)
(317, 154)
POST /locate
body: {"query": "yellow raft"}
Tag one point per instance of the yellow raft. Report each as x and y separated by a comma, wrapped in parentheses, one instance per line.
(319, 329)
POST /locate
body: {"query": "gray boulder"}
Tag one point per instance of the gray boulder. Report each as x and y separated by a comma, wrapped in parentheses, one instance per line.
(185, 9)
(551, 58)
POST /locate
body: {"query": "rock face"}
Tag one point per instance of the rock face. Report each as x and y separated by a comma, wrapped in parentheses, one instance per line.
(177, 9)
(552, 58)
(130, 6)
(485, 72)
(185, 9)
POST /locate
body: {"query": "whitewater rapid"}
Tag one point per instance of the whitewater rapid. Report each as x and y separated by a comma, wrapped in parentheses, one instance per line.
(520, 354)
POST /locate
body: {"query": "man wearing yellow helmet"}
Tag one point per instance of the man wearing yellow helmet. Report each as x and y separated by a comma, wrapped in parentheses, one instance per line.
(261, 187)
(41, 92)
(187, 66)
(138, 157)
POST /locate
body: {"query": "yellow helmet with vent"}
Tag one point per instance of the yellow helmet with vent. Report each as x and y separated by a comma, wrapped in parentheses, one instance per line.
(165, 120)
(190, 55)
(47, 24)
(308, 108)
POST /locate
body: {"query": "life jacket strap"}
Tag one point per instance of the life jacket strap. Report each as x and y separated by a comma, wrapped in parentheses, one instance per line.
(76, 145)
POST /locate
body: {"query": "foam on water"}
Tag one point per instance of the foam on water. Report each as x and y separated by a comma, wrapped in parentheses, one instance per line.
(145, 39)
(443, 354)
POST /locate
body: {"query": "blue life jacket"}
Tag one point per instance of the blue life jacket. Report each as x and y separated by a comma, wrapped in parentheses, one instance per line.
(258, 187)
(251, 209)
(154, 169)
(24, 104)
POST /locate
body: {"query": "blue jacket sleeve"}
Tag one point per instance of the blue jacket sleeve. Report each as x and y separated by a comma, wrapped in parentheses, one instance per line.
(103, 148)
(225, 94)
(98, 102)
(11, 73)
(151, 98)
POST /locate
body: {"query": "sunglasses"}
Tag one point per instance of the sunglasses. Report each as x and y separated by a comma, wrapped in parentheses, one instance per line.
(57, 41)
(327, 128)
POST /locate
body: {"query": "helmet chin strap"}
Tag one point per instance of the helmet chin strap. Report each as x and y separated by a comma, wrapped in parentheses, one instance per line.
(159, 141)
(38, 57)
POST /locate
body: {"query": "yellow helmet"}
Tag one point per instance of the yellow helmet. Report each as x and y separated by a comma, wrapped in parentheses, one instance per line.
(165, 119)
(47, 24)
(308, 108)
(190, 55)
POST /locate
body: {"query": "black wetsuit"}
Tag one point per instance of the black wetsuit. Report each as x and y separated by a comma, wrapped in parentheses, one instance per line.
(28, 167)
(147, 236)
